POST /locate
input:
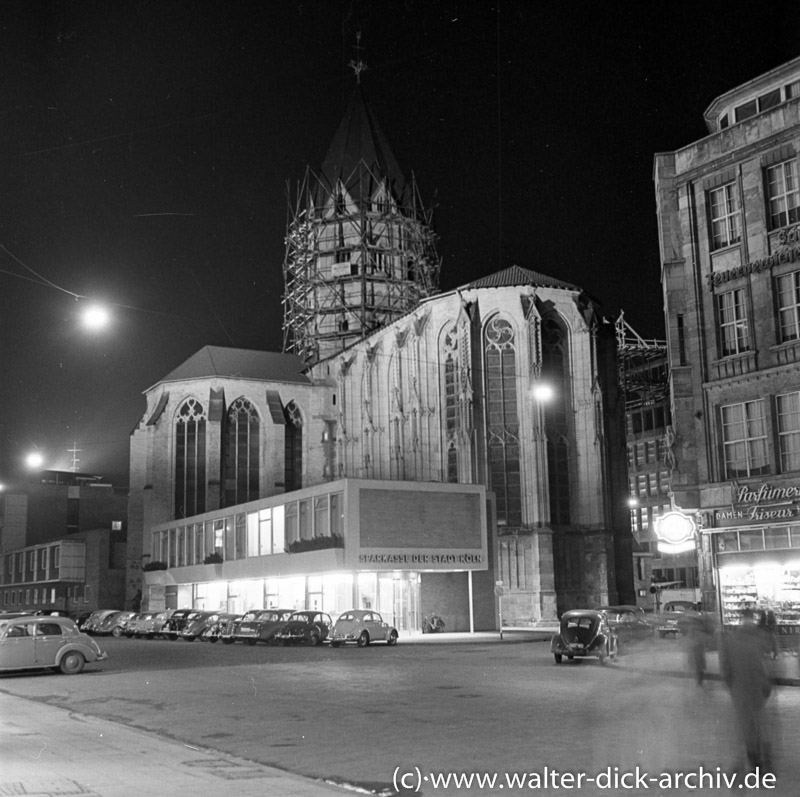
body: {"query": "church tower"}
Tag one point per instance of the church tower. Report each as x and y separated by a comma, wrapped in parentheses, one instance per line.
(360, 250)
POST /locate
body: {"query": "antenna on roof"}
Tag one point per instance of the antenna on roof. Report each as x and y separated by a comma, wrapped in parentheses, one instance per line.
(358, 66)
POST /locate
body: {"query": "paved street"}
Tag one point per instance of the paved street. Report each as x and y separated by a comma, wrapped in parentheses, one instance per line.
(354, 716)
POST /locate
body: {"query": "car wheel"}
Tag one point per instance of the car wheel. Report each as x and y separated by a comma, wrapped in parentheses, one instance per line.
(117, 632)
(392, 640)
(251, 641)
(571, 658)
(212, 639)
(149, 636)
(227, 640)
(72, 663)
(363, 640)
(558, 657)
(335, 644)
(313, 638)
(603, 654)
(190, 638)
(172, 637)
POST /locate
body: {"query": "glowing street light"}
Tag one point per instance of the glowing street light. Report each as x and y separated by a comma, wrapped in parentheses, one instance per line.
(34, 460)
(96, 317)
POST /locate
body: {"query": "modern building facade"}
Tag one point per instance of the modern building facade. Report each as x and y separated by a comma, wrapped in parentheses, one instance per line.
(729, 225)
(63, 543)
(396, 458)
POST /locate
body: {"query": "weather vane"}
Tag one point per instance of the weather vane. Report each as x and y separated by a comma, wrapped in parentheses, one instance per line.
(358, 66)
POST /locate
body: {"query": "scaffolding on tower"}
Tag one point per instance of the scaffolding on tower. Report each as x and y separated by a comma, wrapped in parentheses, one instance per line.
(359, 254)
(643, 366)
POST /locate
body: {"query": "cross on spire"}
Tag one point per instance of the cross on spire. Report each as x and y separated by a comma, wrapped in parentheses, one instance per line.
(357, 65)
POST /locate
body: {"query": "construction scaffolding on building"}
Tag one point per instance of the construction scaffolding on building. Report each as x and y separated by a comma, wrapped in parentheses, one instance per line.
(360, 253)
(643, 366)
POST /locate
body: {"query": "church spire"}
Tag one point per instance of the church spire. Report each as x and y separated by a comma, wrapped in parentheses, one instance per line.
(360, 250)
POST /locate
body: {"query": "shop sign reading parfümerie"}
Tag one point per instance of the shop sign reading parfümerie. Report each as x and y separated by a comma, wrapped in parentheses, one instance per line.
(760, 503)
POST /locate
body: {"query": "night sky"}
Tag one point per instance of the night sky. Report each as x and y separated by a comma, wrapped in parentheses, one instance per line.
(146, 149)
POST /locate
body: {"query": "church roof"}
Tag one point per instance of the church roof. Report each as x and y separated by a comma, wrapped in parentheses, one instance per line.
(267, 366)
(360, 138)
(515, 276)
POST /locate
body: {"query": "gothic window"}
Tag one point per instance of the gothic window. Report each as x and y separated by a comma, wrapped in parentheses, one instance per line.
(451, 402)
(190, 459)
(554, 371)
(503, 420)
(242, 453)
(293, 457)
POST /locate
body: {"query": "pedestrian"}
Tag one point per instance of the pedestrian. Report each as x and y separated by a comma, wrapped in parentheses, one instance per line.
(698, 639)
(744, 671)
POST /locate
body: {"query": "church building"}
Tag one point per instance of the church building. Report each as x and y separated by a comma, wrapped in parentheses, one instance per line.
(411, 450)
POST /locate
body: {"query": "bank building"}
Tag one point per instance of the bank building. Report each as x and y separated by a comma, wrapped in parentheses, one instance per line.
(399, 453)
(729, 224)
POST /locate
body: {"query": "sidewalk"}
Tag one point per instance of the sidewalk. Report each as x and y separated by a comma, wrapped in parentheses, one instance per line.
(48, 751)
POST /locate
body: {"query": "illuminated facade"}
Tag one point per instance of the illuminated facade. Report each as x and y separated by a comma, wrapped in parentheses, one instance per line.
(398, 461)
(729, 221)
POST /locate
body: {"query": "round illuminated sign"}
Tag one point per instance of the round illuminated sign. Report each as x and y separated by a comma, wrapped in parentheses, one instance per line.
(675, 528)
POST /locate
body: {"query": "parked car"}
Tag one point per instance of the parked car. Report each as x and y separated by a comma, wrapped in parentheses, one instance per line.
(257, 625)
(96, 618)
(80, 617)
(149, 624)
(630, 623)
(114, 624)
(176, 623)
(216, 628)
(307, 626)
(196, 623)
(676, 617)
(584, 633)
(362, 626)
(42, 641)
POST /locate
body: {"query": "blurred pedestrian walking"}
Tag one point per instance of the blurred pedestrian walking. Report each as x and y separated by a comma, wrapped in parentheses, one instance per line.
(744, 670)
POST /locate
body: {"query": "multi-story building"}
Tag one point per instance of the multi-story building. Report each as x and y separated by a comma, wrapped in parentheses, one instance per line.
(729, 222)
(397, 459)
(63, 543)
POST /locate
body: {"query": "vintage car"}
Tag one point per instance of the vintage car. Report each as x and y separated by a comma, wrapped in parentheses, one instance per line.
(41, 642)
(176, 623)
(584, 633)
(195, 623)
(215, 629)
(114, 624)
(362, 626)
(630, 623)
(95, 620)
(676, 618)
(309, 627)
(257, 625)
(149, 624)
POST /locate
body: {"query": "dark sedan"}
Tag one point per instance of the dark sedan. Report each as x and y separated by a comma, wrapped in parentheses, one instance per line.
(630, 623)
(310, 627)
(257, 625)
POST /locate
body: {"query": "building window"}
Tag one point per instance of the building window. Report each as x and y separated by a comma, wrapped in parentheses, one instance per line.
(782, 191)
(725, 217)
(788, 407)
(555, 371)
(744, 439)
(190, 460)
(242, 453)
(788, 291)
(733, 327)
(503, 420)
(293, 447)
(451, 403)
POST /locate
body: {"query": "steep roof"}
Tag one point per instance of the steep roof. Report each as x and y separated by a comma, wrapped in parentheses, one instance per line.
(515, 276)
(267, 366)
(360, 138)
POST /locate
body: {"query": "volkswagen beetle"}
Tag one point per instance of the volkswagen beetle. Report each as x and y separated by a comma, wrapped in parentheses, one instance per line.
(584, 633)
(362, 626)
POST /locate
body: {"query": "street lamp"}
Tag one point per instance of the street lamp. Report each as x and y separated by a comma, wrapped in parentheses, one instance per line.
(34, 460)
(95, 317)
